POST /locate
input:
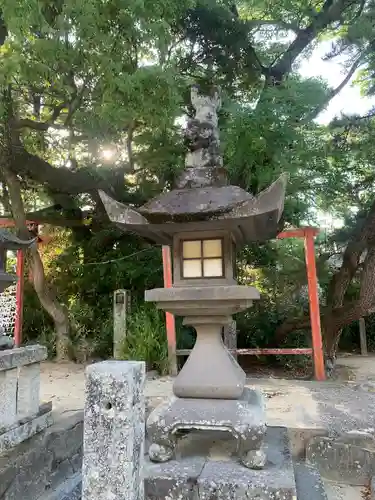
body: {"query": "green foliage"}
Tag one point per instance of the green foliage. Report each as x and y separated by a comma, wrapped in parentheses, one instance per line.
(146, 339)
(114, 75)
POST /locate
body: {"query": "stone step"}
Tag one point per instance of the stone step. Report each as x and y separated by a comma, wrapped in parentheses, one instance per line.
(205, 469)
(214, 473)
(309, 483)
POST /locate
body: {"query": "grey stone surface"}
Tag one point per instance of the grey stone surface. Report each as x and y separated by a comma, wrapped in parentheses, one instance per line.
(28, 390)
(30, 470)
(363, 439)
(19, 356)
(69, 489)
(309, 483)
(6, 342)
(114, 431)
(210, 372)
(8, 397)
(213, 473)
(244, 419)
(176, 479)
(341, 462)
(372, 488)
(26, 428)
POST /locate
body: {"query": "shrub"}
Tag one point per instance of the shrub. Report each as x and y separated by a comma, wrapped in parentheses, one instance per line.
(146, 338)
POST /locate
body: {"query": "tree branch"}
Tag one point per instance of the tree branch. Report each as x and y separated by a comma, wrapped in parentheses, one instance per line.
(277, 23)
(60, 179)
(21, 123)
(331, 12)
(334, 92)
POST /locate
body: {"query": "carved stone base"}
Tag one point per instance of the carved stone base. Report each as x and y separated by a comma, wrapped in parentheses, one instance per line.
(243, 418)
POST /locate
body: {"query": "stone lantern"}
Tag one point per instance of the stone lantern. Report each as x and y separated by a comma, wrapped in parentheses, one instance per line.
(9, 241)
(204, 219)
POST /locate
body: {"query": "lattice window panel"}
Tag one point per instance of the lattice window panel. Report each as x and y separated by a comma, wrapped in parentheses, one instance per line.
(8, 310)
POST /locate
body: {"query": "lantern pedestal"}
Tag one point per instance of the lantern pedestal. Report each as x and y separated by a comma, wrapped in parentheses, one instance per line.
(243, 418)
(211, 371)
(210, 392)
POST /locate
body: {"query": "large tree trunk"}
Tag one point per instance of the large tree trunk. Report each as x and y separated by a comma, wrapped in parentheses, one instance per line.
(46, 295)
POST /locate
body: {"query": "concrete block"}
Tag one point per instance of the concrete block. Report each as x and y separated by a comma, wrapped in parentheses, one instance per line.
(114, 431)
(8, 397)
(344, 463)
(28, 393)
(20, 356)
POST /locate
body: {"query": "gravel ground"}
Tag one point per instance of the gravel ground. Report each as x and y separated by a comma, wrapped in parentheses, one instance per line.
(337, 406)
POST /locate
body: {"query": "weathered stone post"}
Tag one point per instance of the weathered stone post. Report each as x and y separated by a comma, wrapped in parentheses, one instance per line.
(114, 431)
(362, 336)
(121, 301)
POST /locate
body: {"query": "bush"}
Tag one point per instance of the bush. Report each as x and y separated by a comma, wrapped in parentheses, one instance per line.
(146, 339)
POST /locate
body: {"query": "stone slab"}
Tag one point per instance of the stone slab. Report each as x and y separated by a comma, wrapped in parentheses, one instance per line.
(216, 475)
(70, 489)
(20, 356)
(176, 479)
(341, 462)
(26, 428)
(309, 483)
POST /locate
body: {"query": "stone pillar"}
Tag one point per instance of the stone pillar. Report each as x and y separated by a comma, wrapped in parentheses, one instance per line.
(362, 336)
(114, 431)
(121, 301)
(8, 397)
(28, 390)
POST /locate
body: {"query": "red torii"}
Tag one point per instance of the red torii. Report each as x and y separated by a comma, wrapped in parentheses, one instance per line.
(308, 233)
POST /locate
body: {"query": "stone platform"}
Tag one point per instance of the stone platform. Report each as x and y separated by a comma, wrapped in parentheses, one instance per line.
(21, 414)
(206, 468)
(244, 419)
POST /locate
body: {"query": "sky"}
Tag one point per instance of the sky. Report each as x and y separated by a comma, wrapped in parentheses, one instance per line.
(349, 100)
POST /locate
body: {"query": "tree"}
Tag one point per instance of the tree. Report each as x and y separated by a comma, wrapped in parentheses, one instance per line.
(66, 70)
(84, 77)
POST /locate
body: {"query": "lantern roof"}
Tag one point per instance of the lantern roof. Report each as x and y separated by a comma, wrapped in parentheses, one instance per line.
(203, 199)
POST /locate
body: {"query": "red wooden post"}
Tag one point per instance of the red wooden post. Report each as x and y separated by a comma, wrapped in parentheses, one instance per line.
(312, 282)
(169, 318)
(19, 299)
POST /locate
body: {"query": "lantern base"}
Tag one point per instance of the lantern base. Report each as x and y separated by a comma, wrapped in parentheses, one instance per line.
(244, 418)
